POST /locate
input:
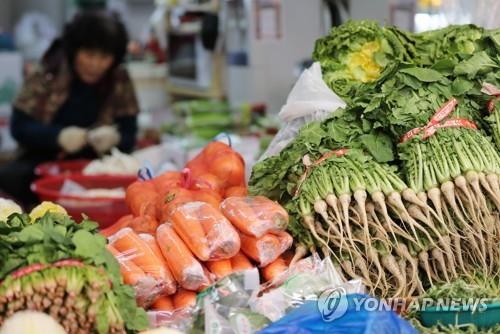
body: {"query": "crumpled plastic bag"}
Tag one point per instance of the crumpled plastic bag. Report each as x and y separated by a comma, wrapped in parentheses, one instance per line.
(310, 100)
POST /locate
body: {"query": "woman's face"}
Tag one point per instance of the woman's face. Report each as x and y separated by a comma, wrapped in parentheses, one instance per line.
(91, 65)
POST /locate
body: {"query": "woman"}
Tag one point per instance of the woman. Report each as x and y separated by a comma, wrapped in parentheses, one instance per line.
(79, 103)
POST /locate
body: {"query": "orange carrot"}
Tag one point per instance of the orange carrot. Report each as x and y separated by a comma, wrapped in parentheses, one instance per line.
(187, 271)
(285, 241)
(274, 269)
(207, 196)
(163, 303)
(208, 181)
(170, 285)
(240, 262)
(120, 223)
(144, 224)
(184, 298)
(255, 216)
(237, 191)
(167, 202)
(263, 250)
(242, 216)
(229, 167)
(131, 273)
(129, 243)
(220, 268)
(167, 181)
(141, 198)
(187, 225)
(223, 239)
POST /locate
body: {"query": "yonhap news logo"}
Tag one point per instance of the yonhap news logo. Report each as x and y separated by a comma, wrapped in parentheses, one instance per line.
(333, 304)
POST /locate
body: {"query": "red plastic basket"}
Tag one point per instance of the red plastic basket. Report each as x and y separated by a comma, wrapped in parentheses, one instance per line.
(53, 168)
(104, 211)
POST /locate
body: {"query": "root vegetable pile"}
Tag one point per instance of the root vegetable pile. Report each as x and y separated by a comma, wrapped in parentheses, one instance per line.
(402, 187)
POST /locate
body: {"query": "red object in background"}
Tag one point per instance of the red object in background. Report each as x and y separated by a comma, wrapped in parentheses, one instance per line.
(103, 210)
(62, 167)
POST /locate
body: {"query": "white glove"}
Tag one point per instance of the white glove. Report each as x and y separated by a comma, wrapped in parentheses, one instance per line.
(104, 138)
(72, 139)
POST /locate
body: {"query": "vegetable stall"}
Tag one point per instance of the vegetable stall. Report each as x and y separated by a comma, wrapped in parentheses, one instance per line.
(394, 196)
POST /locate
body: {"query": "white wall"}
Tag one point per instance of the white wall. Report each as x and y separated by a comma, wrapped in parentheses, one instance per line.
(370, 9)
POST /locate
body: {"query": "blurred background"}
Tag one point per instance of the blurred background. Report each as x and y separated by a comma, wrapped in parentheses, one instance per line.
(203, 66)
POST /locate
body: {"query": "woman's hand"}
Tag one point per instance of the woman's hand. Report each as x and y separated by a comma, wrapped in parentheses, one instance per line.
(72, 139)
(104, 138)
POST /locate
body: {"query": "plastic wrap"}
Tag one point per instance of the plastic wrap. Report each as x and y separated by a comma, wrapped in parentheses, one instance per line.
(179, 319)
(207, 233)
(255, 216)
(310, 100)
(133, 248)
(267, 248)
(304, 280)
(188, 272)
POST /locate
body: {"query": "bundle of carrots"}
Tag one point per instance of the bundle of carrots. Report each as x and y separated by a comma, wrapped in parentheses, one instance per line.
(190, 228)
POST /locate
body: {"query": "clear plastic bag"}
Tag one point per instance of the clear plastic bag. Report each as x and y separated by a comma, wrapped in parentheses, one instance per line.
(310, 100)
(304, 280)
(255, 216)
(188, 272)
(267, 248)
(142, 266)
(205, 230)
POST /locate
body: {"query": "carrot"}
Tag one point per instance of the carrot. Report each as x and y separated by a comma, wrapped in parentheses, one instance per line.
(274, 269)
(170, 285)
(207, 181)
(220, 268)
(187, 271)
(131, 273)
(255, 216)
(120, 223)
(141, 198)
(285, 241)
(237, 191)
(263, 250)
(144, 224)
(223, 239)
(167, 181)
(167, 202)
(207, 196)
(229, 167)
(240, 262)
(129, 243)
(184, 299)
(241, 215)
(163, 303)
(186, 223)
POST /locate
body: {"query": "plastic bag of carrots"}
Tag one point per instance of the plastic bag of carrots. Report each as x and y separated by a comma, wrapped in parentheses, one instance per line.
(223, 268)
(221, 161)
(141, 260)
(255, 216)
(207, 233)
(185, 268)
(267, 248)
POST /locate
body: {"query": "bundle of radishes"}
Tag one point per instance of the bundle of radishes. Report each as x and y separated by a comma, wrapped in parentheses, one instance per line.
(404, 221)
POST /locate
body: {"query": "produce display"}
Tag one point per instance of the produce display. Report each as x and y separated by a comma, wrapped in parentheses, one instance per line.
(401, 187)
(192, 228)
(51, 264)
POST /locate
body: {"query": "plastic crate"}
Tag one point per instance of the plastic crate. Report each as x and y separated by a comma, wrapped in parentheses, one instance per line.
(105, 211)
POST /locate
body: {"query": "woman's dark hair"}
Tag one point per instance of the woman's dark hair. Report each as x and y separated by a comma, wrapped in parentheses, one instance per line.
(89, 30)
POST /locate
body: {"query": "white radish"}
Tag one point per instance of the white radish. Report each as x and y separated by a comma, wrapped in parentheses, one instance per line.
(434, 195)
(473, 180)
(320, 207)
(309, 223)
(445, 242)
(373, 258)
(448, 189)
(409, 195)
(333, 202)
(495, 197)
(493, 180)
(458, 252)
(402, 270)
(423, 258)
(360, 263)
(389, 262)
(348, 269)
(300, 252)
(438, 256)
(379, 199)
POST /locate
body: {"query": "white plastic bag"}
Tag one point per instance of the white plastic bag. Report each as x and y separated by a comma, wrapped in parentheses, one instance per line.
(310, 100)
